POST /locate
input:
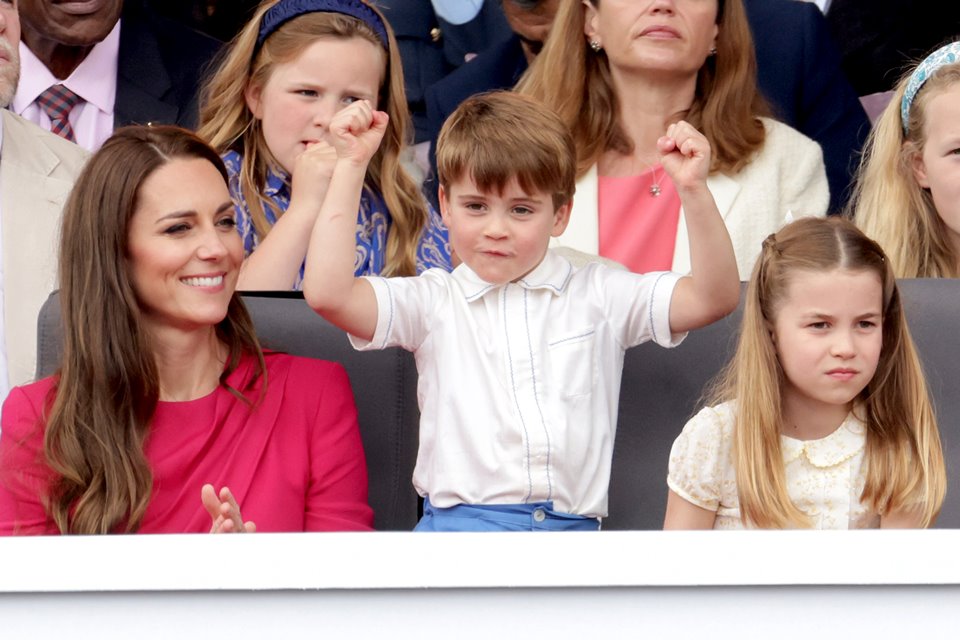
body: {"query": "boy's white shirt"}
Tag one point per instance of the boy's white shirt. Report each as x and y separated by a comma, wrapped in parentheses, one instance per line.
(519, 384)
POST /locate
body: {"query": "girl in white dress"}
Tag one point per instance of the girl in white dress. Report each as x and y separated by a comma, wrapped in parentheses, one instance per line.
(822, 419)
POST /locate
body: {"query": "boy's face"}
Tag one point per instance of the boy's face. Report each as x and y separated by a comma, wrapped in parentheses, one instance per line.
(501, 236)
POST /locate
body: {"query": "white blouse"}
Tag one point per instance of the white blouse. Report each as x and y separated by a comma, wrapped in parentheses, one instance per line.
(825, 477)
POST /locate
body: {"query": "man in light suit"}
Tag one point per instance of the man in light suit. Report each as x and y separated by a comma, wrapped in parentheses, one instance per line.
(37, 170)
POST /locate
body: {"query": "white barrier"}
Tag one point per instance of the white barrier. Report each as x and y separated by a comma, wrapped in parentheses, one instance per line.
(401, 585)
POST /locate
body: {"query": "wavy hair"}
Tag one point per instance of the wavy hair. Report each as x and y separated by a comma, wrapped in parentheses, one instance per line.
(888, 203)
(227, 123)
(904, 458)
(578, 85)
(108, 387)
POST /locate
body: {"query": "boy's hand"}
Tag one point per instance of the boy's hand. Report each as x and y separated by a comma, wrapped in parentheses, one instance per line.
(685, 155)
(311, 174)
(356, 132)
(224, 511)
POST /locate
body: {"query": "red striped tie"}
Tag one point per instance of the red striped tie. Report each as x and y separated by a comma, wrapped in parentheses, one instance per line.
(57, 102)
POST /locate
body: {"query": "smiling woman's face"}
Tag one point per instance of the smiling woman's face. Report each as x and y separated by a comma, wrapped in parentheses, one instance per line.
(184, 251)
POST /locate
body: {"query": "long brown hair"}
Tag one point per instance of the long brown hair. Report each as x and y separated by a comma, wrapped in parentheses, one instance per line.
(905, 467)
(888, 203)
(108, 384)
(227, 123)
(577, 84)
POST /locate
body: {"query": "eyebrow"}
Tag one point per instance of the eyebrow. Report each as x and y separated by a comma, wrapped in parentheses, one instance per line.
(826, 316)
(179, 215)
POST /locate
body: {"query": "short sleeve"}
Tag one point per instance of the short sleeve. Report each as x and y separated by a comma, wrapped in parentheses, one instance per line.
(698, 458)
(638, 303)
(404, 309)
(24, 475)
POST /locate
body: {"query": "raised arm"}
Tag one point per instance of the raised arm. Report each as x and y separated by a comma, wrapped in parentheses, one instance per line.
(329, 285)
(712, 289)
(276, 262)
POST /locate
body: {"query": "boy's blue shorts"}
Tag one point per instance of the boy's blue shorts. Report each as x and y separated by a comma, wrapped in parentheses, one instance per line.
(535, 516)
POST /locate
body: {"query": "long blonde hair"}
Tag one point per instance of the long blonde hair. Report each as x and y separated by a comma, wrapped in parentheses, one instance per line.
(577, 84)
(888, 203)
(905, 467)
(227, 123)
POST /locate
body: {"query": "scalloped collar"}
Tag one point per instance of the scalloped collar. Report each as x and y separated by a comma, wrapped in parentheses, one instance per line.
(838, 447)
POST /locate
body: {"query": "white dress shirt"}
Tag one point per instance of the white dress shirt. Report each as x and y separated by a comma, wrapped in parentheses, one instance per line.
(519, 384)
(94, 80)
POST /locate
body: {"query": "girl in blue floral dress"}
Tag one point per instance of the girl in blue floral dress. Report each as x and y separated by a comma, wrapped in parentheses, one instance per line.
(267, 108)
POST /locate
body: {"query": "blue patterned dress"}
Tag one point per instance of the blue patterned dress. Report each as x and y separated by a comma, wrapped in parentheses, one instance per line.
(373, 222)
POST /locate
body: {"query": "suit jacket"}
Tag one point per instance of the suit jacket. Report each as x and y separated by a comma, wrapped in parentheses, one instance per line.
(498, 67)
(37, 170)
(799, 72)
(430, 47)
(160, 69)
(785, 177)
(880, 39)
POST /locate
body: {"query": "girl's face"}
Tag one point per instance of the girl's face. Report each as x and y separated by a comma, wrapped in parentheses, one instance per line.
(671, 36)
(299, 98)
(828, 335)
(183, 247)
(937, 168)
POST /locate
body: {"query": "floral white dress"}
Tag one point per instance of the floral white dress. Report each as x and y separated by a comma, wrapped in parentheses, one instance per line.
(825, 477)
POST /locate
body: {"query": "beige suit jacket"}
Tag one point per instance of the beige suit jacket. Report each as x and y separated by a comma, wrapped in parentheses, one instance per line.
(37, 170)
(786, 176)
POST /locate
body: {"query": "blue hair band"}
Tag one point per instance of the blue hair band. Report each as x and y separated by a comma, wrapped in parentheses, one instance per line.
(947, 54)
(288, 9)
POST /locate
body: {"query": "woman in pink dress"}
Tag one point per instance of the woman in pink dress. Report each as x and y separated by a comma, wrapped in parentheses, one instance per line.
(166, 416)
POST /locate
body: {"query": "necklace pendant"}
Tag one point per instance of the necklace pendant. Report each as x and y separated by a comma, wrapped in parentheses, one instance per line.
(655, 190)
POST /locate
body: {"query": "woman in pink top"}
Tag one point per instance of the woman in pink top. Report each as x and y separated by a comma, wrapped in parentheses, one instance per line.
(166, 416)
(618, 72)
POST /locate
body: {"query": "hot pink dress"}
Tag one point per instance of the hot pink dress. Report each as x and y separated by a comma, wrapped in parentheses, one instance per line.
(294, 460)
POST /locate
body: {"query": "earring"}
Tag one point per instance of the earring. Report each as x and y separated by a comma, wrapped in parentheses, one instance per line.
(713, 51)
(595, 45)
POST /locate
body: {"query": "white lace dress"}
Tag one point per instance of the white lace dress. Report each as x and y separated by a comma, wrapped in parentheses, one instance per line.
(825, 477)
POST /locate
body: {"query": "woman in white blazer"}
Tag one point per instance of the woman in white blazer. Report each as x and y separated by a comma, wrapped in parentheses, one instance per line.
(619, 73)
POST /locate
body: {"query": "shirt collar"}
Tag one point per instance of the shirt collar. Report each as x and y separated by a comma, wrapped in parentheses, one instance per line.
(95, 80)
(553, 273)
(841, 445)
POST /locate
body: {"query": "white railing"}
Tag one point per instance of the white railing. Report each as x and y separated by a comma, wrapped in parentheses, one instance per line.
(397, 585)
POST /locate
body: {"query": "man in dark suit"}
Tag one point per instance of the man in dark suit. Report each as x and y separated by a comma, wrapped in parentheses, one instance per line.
(153, 68)
(798, 71)
(497, 67)
(431, 47)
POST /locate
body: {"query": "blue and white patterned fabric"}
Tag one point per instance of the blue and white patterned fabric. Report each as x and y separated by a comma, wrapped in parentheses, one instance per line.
(947, 54)
(373, 222)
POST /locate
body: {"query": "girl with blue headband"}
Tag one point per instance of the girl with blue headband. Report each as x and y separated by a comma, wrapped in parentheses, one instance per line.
(267, 109)
(908, 193)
